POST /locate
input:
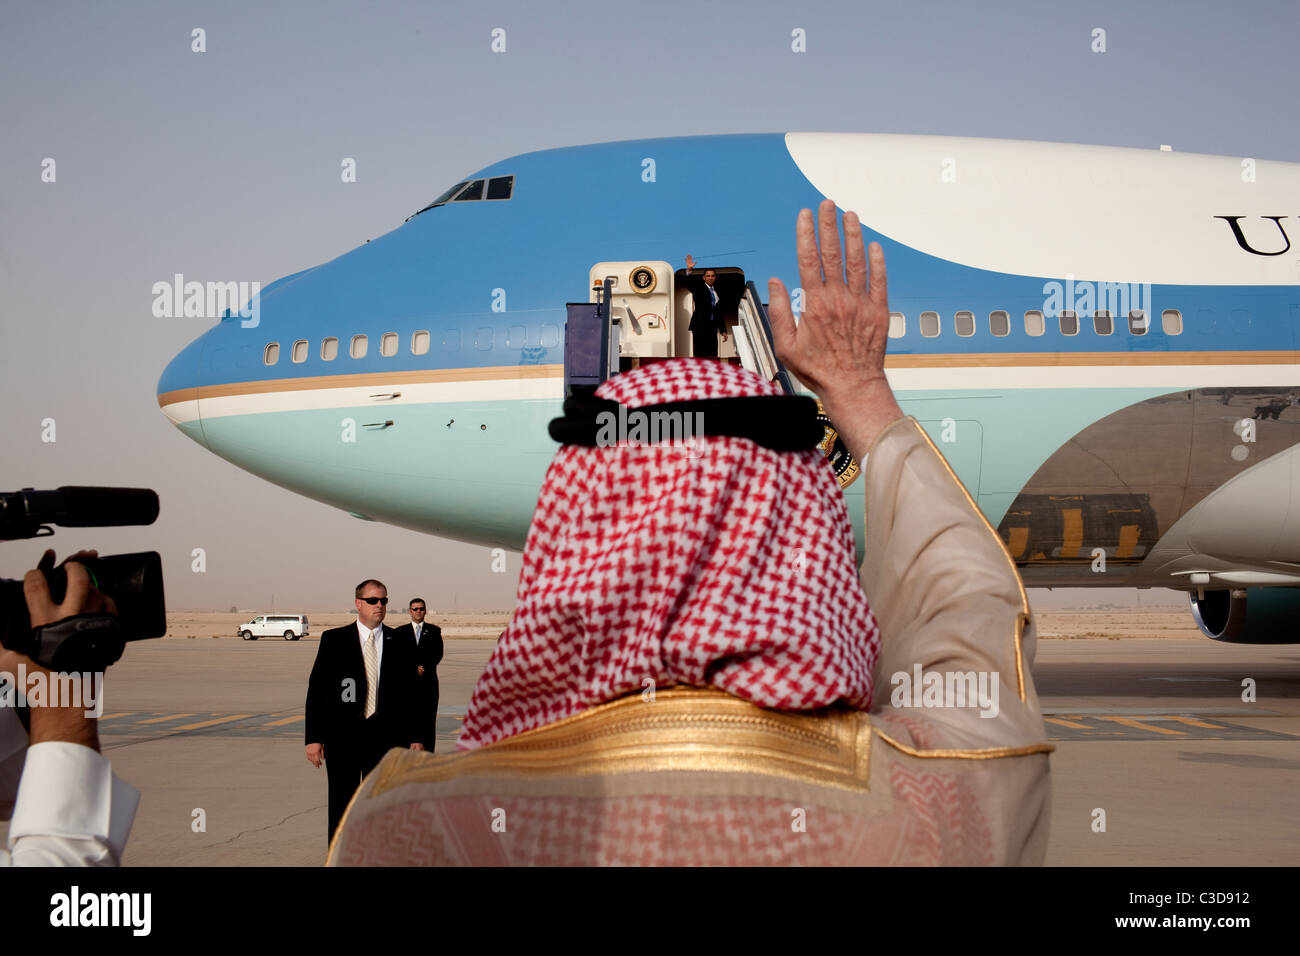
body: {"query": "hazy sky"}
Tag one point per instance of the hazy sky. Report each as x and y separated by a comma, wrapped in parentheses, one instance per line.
(226, 164)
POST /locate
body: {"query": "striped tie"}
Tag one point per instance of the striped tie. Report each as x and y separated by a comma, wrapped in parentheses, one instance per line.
(372, 675)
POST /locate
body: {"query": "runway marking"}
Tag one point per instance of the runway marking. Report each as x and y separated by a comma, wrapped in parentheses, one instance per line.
(125, 713)
(159, 720)
(1065, 723)
(287, 720)
(1129, 722)
(1143, 726)
(1193, 722)
(213, 723)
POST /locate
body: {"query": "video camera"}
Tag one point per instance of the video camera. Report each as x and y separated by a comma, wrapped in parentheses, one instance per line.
(133, 581)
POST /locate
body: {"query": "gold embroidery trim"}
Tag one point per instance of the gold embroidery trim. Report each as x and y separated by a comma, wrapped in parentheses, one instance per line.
(682, 729)
(982, 753)
(1023, 617)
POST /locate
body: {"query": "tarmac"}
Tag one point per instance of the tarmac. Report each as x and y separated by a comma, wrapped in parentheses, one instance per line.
(1154, 732)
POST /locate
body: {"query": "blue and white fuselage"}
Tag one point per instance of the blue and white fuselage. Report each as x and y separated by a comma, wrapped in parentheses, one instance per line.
(1153, 443)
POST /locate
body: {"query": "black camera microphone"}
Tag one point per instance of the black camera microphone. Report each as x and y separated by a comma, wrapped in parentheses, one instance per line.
(133, 581)
(24, 513)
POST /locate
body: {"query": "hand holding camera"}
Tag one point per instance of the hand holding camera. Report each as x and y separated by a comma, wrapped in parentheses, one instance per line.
(67, 722)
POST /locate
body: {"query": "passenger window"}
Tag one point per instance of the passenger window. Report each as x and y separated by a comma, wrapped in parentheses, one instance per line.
(1034, 323)
(897, 325)
(299, 352)
(929, 324)
(451, 340)
(500, 187)
(388, 345)
(965, 323)
(419, 342)
(1069, 322)
(1137, 322)
(358, 347)
(1171, 320)
(473, 191)
(271, 354)
(1000, 322)
(1101, 323)
(483, 339)
(329, 349)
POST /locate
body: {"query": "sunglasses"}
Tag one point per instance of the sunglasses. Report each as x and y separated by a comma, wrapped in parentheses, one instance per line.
(414, 609)
(375, 600)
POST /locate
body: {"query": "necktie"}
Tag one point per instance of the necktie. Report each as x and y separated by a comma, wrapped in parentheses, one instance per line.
(713, 295)
(417, 635)
(372, 675)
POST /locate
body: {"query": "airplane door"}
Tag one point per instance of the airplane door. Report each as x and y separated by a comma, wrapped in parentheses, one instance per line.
(640, 307)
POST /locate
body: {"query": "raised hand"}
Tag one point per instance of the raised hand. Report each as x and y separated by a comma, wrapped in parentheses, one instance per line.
(838, 347)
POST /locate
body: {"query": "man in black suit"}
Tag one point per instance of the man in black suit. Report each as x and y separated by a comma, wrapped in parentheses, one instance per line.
(427, 641)
(361, 698)
(706, 320)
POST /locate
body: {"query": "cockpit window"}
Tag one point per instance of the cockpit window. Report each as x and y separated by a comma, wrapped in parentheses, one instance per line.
(498, 187)
(471, 192)
(441, 199)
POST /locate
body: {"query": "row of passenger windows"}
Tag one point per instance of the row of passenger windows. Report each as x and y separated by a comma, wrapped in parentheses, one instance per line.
(357, 347)
(483, 339)
(1171, 321)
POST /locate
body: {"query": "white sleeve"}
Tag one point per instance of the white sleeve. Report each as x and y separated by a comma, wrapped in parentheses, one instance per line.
(71, 809)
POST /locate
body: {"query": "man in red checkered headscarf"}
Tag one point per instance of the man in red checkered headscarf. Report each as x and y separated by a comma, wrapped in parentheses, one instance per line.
(688, 675)
(714, 562)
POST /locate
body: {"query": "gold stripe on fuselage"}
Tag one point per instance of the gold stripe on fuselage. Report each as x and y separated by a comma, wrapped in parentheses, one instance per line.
(950, 360)
(424, 376)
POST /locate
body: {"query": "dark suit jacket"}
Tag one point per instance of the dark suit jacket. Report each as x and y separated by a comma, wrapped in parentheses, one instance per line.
(704, 317)
(335, 716)
(427, 655)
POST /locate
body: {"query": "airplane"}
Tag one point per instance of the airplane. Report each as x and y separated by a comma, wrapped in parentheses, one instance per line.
(1101, 340)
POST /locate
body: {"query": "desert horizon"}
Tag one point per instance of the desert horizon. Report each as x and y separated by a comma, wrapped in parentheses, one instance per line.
(1053, 624)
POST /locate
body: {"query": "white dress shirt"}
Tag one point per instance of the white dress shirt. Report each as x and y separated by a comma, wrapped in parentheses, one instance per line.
(70, 808)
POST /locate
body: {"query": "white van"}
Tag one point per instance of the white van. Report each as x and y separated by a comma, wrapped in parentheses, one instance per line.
(289, 626)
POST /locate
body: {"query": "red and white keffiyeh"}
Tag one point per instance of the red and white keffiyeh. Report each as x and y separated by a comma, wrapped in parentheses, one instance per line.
(727, 565)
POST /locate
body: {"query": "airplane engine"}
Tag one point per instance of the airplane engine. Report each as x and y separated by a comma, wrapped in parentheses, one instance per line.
(1248, 615)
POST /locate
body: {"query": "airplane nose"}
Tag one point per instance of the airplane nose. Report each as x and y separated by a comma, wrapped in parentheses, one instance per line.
(178, 390)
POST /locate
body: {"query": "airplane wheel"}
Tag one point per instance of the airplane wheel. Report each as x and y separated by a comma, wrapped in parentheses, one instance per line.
(248, 636)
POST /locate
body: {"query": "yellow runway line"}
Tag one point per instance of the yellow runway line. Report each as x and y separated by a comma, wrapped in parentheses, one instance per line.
(1193, 722)
(159, 720)
(125, 713)
(212, 723)
(1127, 722)
(1066, 723)
(286, 720)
